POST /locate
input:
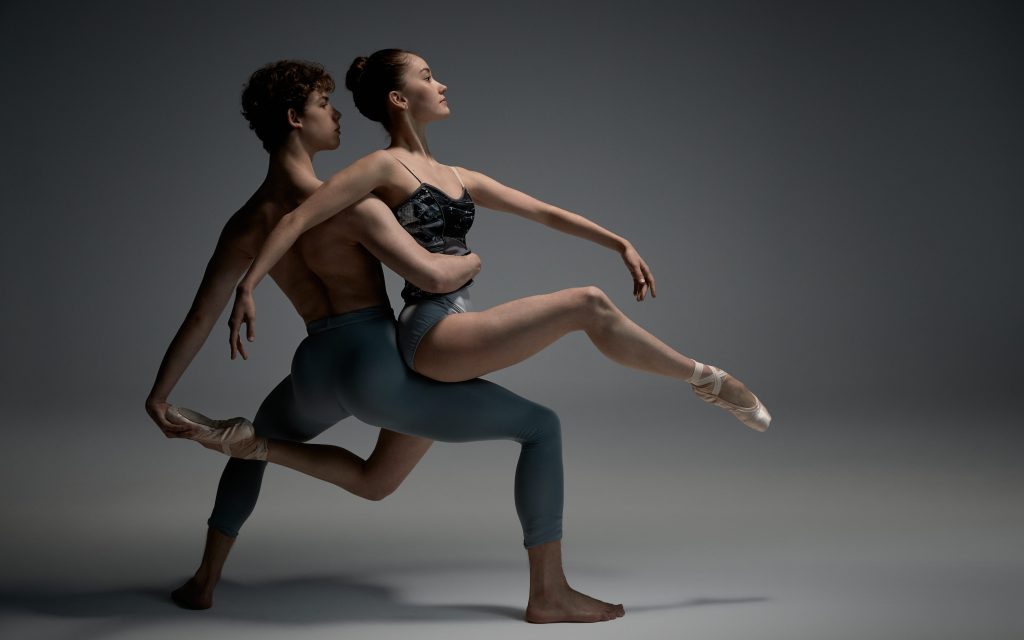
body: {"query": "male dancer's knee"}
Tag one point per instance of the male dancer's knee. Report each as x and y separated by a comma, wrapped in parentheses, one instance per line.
(544, 427)
(376, 490)
(237, 493)
(539, 482)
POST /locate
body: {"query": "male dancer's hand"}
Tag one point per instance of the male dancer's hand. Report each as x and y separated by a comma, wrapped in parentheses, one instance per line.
(244, 312)
(643, 279)
(157, 410)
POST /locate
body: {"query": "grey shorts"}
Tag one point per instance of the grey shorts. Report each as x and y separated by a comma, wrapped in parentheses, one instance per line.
(420, 316)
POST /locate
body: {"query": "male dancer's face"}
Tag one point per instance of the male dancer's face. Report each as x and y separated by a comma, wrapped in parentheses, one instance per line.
(320, 129)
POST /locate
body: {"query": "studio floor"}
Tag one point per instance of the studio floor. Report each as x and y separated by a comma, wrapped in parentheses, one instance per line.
(694, 543)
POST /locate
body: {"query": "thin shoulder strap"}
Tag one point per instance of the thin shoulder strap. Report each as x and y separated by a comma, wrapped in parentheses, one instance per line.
(406, 167)
(456, 171)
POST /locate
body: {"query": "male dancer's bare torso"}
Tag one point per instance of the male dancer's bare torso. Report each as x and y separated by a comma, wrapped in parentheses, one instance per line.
(328, 271)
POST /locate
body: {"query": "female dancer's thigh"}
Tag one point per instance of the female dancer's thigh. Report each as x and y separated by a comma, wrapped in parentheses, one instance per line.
(463, 346)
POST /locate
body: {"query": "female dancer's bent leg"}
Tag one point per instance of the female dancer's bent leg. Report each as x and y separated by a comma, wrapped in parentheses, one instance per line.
(468, 345)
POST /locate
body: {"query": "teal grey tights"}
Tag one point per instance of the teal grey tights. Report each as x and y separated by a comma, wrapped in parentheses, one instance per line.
(350, 365)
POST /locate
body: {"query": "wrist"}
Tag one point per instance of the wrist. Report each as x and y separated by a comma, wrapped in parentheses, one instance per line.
(244, 288)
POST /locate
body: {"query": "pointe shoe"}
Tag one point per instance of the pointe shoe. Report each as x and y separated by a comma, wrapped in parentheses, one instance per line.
(755, 417)
(235, 436)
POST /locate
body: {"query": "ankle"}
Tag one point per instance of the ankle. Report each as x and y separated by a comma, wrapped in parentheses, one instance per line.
(702, 375)
(206, 578)
(540, 589)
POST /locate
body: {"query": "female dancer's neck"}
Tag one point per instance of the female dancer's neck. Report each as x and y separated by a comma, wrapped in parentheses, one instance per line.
(411, 136)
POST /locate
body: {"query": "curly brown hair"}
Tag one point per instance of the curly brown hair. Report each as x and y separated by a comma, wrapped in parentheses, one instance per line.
(275, 88)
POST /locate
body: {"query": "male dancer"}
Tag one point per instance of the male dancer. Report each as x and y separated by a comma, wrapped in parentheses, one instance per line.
(331, 271)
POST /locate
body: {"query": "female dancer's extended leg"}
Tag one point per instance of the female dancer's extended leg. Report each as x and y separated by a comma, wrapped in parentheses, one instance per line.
(468, 345)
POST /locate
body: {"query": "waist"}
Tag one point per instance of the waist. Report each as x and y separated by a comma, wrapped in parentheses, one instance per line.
(458, 299)
(351, 317)
(412, 294)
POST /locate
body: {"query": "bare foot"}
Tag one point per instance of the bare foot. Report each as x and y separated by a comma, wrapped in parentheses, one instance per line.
(193, 595)
(565, 604)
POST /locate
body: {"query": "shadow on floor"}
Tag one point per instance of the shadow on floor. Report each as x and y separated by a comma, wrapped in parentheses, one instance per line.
(296, 601)
(320, 600)
(692, 602)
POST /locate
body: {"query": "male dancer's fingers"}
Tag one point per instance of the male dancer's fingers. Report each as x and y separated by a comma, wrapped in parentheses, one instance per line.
(174, 429)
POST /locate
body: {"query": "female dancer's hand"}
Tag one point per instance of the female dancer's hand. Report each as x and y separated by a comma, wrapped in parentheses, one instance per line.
(643, 279)
(244, 312)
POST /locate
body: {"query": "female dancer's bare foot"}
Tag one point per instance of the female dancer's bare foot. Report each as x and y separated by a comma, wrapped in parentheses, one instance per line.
(565, 604)
(193, 594)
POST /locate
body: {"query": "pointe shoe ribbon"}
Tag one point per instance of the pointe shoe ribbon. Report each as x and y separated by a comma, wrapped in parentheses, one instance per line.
(755, 417)
(234, 436)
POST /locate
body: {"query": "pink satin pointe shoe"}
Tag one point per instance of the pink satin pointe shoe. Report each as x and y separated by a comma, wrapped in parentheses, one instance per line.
(755, 417)
(235, 436)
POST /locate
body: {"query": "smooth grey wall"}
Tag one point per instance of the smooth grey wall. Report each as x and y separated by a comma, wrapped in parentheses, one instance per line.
(829, 193)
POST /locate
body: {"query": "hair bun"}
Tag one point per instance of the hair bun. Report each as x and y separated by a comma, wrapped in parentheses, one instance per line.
(355, 72)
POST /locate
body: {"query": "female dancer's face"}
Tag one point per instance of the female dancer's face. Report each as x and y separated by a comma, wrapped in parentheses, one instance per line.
(425, 95)
(320, 128)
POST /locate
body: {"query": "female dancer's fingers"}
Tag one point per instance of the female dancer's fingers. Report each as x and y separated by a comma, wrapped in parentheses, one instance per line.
(237, 347)
(240, 346)
(233, 337)
(650, 279)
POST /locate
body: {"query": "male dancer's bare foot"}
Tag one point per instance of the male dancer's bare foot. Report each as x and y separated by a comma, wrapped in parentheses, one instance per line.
(193, 595)
(551, 597)
(565, 604)
(197, 592)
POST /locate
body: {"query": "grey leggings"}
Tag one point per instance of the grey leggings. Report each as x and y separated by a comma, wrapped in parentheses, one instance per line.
(350, 365)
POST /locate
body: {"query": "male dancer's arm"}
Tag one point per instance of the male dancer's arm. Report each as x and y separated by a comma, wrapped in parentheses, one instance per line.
(374, 226)
(226, 266)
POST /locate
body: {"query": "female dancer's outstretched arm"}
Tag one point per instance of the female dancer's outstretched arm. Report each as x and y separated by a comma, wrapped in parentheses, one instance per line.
(461, 346)
(492, 194)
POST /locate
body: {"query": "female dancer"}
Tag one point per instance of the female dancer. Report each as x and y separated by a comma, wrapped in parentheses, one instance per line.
(438, 334)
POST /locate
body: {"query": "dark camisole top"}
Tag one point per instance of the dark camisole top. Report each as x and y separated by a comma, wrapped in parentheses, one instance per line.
(439, 224)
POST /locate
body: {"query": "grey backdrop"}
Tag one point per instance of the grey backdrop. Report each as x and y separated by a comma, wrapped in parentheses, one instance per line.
(829, 195)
